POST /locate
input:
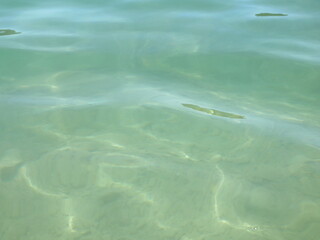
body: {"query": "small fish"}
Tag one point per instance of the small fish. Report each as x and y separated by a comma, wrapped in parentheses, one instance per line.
(7, 32)
(212, 111)
(271, 15)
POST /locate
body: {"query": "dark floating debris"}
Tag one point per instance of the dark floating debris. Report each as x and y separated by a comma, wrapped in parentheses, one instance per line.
(213, 111)
(4, 32)
(271, 14)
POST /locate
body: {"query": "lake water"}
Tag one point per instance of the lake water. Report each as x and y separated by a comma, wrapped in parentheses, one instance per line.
(160, 120)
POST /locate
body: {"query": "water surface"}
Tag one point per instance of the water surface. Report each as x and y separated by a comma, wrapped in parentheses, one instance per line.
(188, 120)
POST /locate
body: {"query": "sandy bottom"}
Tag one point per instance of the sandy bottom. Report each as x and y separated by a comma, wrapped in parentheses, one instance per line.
(150, 173)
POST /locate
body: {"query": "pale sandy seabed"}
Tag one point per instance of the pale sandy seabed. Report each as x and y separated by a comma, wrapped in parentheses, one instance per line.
(141, 172)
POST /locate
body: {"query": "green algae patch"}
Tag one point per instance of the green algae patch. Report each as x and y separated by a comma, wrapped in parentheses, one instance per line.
(271, 14)
(4, 32)
(213, 111)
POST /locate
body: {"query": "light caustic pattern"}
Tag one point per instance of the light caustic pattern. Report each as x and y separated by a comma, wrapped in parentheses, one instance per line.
(252, 228)
(71, 200)
(65, 200)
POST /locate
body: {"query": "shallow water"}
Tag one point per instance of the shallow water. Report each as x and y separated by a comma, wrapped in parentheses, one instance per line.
(189, 120)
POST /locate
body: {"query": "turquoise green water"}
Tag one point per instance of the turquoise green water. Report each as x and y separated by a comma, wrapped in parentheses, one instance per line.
(140, 119)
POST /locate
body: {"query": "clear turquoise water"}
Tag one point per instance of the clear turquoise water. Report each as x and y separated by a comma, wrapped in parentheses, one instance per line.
(96, 144)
